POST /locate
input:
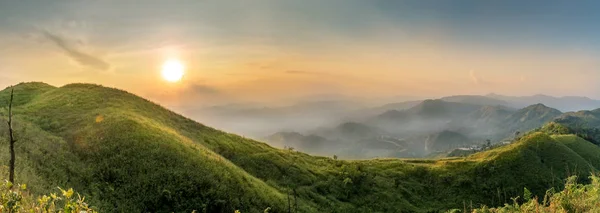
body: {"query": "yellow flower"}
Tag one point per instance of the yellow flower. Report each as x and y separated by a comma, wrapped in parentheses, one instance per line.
(67, 193)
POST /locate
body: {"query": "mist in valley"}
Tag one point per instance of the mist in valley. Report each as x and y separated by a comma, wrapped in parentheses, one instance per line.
(354, 128)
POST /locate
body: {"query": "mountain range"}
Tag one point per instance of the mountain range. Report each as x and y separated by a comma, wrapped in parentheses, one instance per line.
(260, 120)
(431, 126)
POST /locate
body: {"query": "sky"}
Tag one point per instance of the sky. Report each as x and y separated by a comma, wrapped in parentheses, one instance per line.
(284, 50)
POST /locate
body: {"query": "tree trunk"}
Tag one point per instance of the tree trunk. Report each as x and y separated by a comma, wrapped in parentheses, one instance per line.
(289, 202)
(11, 163)
(295, 201)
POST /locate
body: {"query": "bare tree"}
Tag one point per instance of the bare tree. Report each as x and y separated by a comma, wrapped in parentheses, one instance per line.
(11, 176)
(295, 200)
(289, 202)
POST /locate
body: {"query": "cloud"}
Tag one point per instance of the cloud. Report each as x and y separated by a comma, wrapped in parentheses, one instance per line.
(475, 78)
(79, 56)
(300, 72)
(261, 65)
(204, 89)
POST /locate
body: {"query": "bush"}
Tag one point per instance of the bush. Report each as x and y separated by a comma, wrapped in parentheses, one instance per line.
(16, 199)
(574, 198)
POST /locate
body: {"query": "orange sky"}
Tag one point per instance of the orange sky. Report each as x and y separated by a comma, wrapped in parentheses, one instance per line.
(276, 54)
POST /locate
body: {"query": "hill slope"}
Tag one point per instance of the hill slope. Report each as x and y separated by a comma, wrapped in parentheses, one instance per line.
(127, 154)
(122, 145)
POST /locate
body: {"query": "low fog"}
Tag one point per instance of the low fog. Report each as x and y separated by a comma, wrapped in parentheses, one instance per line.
(360, 129)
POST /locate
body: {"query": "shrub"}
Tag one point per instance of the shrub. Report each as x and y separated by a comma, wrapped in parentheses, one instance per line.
(574, 198)
(16, 199)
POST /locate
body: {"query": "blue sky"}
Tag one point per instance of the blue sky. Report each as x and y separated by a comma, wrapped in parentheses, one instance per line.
(366, 48)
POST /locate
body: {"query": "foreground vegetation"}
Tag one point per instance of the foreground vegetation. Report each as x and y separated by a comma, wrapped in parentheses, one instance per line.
(15, 199)
(126, 154)
(575, 197)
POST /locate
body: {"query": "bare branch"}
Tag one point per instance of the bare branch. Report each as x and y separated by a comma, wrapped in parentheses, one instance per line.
(11, 176)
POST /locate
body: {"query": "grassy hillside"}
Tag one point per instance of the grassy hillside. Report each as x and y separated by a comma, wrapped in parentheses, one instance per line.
(26, 91)
(585, 124)
(126, 154)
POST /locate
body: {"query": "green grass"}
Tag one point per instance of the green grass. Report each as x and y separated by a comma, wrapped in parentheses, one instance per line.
(126, 154)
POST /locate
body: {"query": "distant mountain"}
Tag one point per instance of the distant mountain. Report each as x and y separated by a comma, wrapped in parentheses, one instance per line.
(565, 104)
(359, 140)
(351, 130)
(530, 117)
(446, 140)
(388, 107)
(482, 124)
(258, 121)
(310, 144)
(442, 109)
(498, 123)
(347, 140)
(339, 120)
(488, 114)
(477, 100)
(427, 117)
(436, 125)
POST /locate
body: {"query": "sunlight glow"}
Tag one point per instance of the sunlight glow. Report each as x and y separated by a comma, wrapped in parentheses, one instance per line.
(173, 70)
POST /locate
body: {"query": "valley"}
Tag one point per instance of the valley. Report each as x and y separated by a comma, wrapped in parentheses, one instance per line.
(428, 128)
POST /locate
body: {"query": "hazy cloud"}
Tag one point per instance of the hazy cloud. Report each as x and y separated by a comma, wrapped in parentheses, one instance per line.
(204, 89)
(261, 65)
(77, 55)
(299, 72)
(476, 79)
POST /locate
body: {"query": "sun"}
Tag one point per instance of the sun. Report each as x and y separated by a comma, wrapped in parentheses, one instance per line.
(172, 70)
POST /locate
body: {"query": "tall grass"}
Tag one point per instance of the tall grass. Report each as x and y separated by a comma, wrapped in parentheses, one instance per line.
(575, 197)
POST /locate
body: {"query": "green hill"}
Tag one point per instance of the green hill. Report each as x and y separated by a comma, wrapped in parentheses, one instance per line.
(585, 124)
(126, 154)
(530, 117)
(26, 91)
